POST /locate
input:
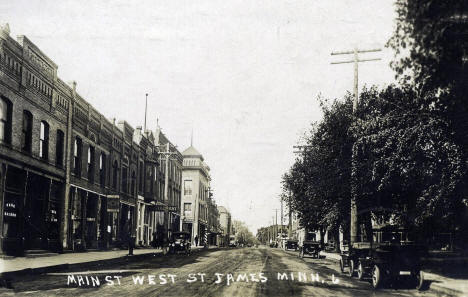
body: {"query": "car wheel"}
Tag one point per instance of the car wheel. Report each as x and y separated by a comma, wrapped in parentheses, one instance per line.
(341, 266)
(376, 277)
(351, 268)
(360, 271)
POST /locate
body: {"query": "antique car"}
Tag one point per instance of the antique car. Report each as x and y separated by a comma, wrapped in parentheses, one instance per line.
(291, 244)
(389, 257)
(311, 248)
(180, 242)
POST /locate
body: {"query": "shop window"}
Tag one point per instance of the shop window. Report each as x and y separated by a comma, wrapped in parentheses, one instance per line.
(59, 148)
(5, 120)
(26, 134)
(44, 141)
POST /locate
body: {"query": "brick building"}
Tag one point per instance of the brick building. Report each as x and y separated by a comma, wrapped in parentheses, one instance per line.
(69, 177)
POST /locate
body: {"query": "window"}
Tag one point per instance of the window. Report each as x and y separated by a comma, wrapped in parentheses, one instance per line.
(26, 138)
(187, 206)
(132, 188)
(140, 178)
(187, 187)
(102, 169)
(115, 169)
(77, 148)
(5, 121)
(44, 141)
(91, 163)
(59, 148)
(124, 180)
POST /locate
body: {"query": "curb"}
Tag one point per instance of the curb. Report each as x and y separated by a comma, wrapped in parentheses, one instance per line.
(8, 275)
(436, 287)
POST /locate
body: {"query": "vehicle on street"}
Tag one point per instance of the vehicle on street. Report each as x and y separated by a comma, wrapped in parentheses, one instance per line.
(391, 257)
(308, 245)
(180, 242)
(232, 241)
(291, 244)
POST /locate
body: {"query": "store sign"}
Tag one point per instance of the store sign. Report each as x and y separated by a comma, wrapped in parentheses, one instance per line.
(113, 203)
(10, 210)
(173, 208)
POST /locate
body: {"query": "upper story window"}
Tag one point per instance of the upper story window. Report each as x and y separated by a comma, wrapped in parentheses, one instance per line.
(140, 178)
(44, 141)
(115, 169)
(102, 169)
(77, 151)
(91, 163)
(5, 120)
(187, 187)
(26, 135)
(59, 148)
(132, 188)
(124, 179)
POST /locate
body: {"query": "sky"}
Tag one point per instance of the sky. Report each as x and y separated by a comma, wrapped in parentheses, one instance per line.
(244, 75)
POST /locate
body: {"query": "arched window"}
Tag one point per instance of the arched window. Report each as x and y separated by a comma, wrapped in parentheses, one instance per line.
(77, 149)
(5, 120)
(26, 138)
(132, 187)
(115, 169)
(44, 141)
(59, 148)
(102, 169)
(91, 163)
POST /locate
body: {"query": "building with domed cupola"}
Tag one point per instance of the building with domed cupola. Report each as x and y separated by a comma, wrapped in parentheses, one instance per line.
(195, 195)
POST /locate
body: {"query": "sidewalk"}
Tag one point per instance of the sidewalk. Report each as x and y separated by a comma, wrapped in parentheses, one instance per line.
(438, 283)
(22, 265)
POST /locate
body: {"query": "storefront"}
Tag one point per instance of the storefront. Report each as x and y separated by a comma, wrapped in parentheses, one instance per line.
(31, 204)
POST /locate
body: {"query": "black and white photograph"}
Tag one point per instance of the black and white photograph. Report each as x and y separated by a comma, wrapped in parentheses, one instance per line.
(234, 148)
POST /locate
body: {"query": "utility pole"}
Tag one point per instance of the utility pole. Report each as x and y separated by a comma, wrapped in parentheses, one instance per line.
(146, 108)
(356, 60)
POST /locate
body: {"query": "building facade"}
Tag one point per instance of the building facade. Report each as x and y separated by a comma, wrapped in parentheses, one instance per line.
(195, 184)
(225, 225)
(70, 178)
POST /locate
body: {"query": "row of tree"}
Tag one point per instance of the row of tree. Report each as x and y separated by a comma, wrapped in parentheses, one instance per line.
(403, 153)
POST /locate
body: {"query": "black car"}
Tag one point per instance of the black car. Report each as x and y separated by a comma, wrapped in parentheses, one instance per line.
(180, 242)
(390, 258)
(291, 244)
(311, 248)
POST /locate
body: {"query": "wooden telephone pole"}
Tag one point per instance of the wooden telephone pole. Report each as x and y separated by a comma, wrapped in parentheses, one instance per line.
(356, 61)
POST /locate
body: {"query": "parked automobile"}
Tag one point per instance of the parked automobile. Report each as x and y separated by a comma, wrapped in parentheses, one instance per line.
(291, 244)
(390, 258)
(180, 242)
(311, 248)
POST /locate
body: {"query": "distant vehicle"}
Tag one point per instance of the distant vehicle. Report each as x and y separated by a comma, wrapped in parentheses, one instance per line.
(388, 259)
(232, 241)
(180, 242)
(308, 245)
(291, 244)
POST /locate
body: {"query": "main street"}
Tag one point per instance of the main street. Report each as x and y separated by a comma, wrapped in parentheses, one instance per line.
(252, 271)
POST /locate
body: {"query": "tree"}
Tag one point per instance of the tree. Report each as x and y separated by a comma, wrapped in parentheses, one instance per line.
(319, 181)
(407, 164)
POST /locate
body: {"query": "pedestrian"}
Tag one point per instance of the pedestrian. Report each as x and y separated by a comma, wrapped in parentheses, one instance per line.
(130, 240)
(196, 240)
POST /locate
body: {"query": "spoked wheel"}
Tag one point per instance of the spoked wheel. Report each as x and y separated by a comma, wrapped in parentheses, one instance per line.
(376, 277)
(341, 266)
(360, 271)
(351, 268)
